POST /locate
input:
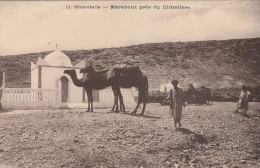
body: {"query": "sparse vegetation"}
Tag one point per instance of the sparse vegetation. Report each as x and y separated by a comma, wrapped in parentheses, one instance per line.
(203, 62)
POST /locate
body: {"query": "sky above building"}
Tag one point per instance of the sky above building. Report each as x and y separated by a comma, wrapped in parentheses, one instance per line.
(27, 27)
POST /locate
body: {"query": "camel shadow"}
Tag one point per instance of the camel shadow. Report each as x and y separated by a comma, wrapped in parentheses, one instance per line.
(139, 115)
(202, 104)
(199, 138)
(242, 114)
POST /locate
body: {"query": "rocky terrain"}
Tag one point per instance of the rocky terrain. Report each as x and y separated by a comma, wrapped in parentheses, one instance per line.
(215, 64)
(211, 136)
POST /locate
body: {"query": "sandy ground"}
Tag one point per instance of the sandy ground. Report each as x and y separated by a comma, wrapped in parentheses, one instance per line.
(212, 136)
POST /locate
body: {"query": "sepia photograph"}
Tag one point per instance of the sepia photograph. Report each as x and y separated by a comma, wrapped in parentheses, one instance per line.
(142, 84)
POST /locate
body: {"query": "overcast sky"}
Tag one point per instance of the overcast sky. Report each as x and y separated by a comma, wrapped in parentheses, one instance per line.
(27, 27)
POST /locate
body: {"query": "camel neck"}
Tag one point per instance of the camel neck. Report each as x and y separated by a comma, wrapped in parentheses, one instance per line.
(75, 80)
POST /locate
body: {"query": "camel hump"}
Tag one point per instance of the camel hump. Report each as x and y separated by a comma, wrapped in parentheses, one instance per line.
(132, 68)
(127, 68)
(103, 71)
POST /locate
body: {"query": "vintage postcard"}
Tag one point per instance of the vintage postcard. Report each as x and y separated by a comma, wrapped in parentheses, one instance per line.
(129, 84)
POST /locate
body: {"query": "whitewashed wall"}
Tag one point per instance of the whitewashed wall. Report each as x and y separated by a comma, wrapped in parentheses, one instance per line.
(26, 98)
(51, 80)
(51, 77)
(166, 87)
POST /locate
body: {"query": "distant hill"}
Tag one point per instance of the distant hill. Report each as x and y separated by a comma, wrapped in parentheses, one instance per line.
(216, 64)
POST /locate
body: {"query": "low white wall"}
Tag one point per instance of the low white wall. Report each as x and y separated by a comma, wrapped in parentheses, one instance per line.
(25, 98)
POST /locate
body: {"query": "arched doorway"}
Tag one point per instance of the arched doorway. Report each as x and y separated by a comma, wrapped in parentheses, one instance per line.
(64, 89)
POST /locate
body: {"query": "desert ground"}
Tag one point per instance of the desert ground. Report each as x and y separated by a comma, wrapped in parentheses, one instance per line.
(211, 136)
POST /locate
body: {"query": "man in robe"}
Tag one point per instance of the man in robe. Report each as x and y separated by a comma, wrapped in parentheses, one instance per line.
(176, 102)
(243, 100)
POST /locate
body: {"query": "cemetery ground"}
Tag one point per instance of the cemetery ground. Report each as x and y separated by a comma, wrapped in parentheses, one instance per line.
(211, 136)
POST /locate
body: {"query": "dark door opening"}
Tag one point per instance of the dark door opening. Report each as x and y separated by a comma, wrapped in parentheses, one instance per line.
(64, 89)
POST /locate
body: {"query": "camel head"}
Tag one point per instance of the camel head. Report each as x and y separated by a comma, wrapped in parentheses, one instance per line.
(69, 72)
(87, 69)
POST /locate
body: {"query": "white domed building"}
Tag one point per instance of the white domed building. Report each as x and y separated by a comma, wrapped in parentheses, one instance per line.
(58, 58)
(51, 88)
(47, 76)
(48, 73)
(166, 87)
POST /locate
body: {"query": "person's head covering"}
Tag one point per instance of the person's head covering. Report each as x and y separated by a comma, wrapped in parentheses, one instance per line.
(243, 87)
(174, 82)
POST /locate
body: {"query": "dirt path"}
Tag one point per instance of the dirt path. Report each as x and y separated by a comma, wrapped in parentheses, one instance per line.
(212, 136)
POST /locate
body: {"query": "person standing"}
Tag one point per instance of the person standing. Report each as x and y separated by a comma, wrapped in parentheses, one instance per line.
(243, 100)
(176, 102)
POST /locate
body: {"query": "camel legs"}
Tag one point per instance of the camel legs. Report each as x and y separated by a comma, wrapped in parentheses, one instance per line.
(118, 95)
(122, 105)
(138, 102)
(90, 99)
(115, 104)
(141, 99)
(144, 104)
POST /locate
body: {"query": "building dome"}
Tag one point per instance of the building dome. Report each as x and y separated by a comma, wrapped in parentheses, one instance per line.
(58, 58)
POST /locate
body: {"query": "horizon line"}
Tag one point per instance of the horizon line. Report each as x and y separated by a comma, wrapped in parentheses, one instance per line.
(128, 46)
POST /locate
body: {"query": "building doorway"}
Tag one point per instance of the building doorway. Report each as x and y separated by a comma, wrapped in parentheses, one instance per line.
(64, 89)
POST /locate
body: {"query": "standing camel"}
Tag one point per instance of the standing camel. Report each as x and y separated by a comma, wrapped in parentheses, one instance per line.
(203, 95)
(92, 80)
(99, 80)
(79, 83)
(126, 76)
(191, 94)
(88, 88)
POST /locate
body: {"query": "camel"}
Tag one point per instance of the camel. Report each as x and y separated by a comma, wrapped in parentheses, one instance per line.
(93, 80)
(204, 95)
(99, 80)
(79, 83)
(191, 94)
(89, 86)
(126, 76)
